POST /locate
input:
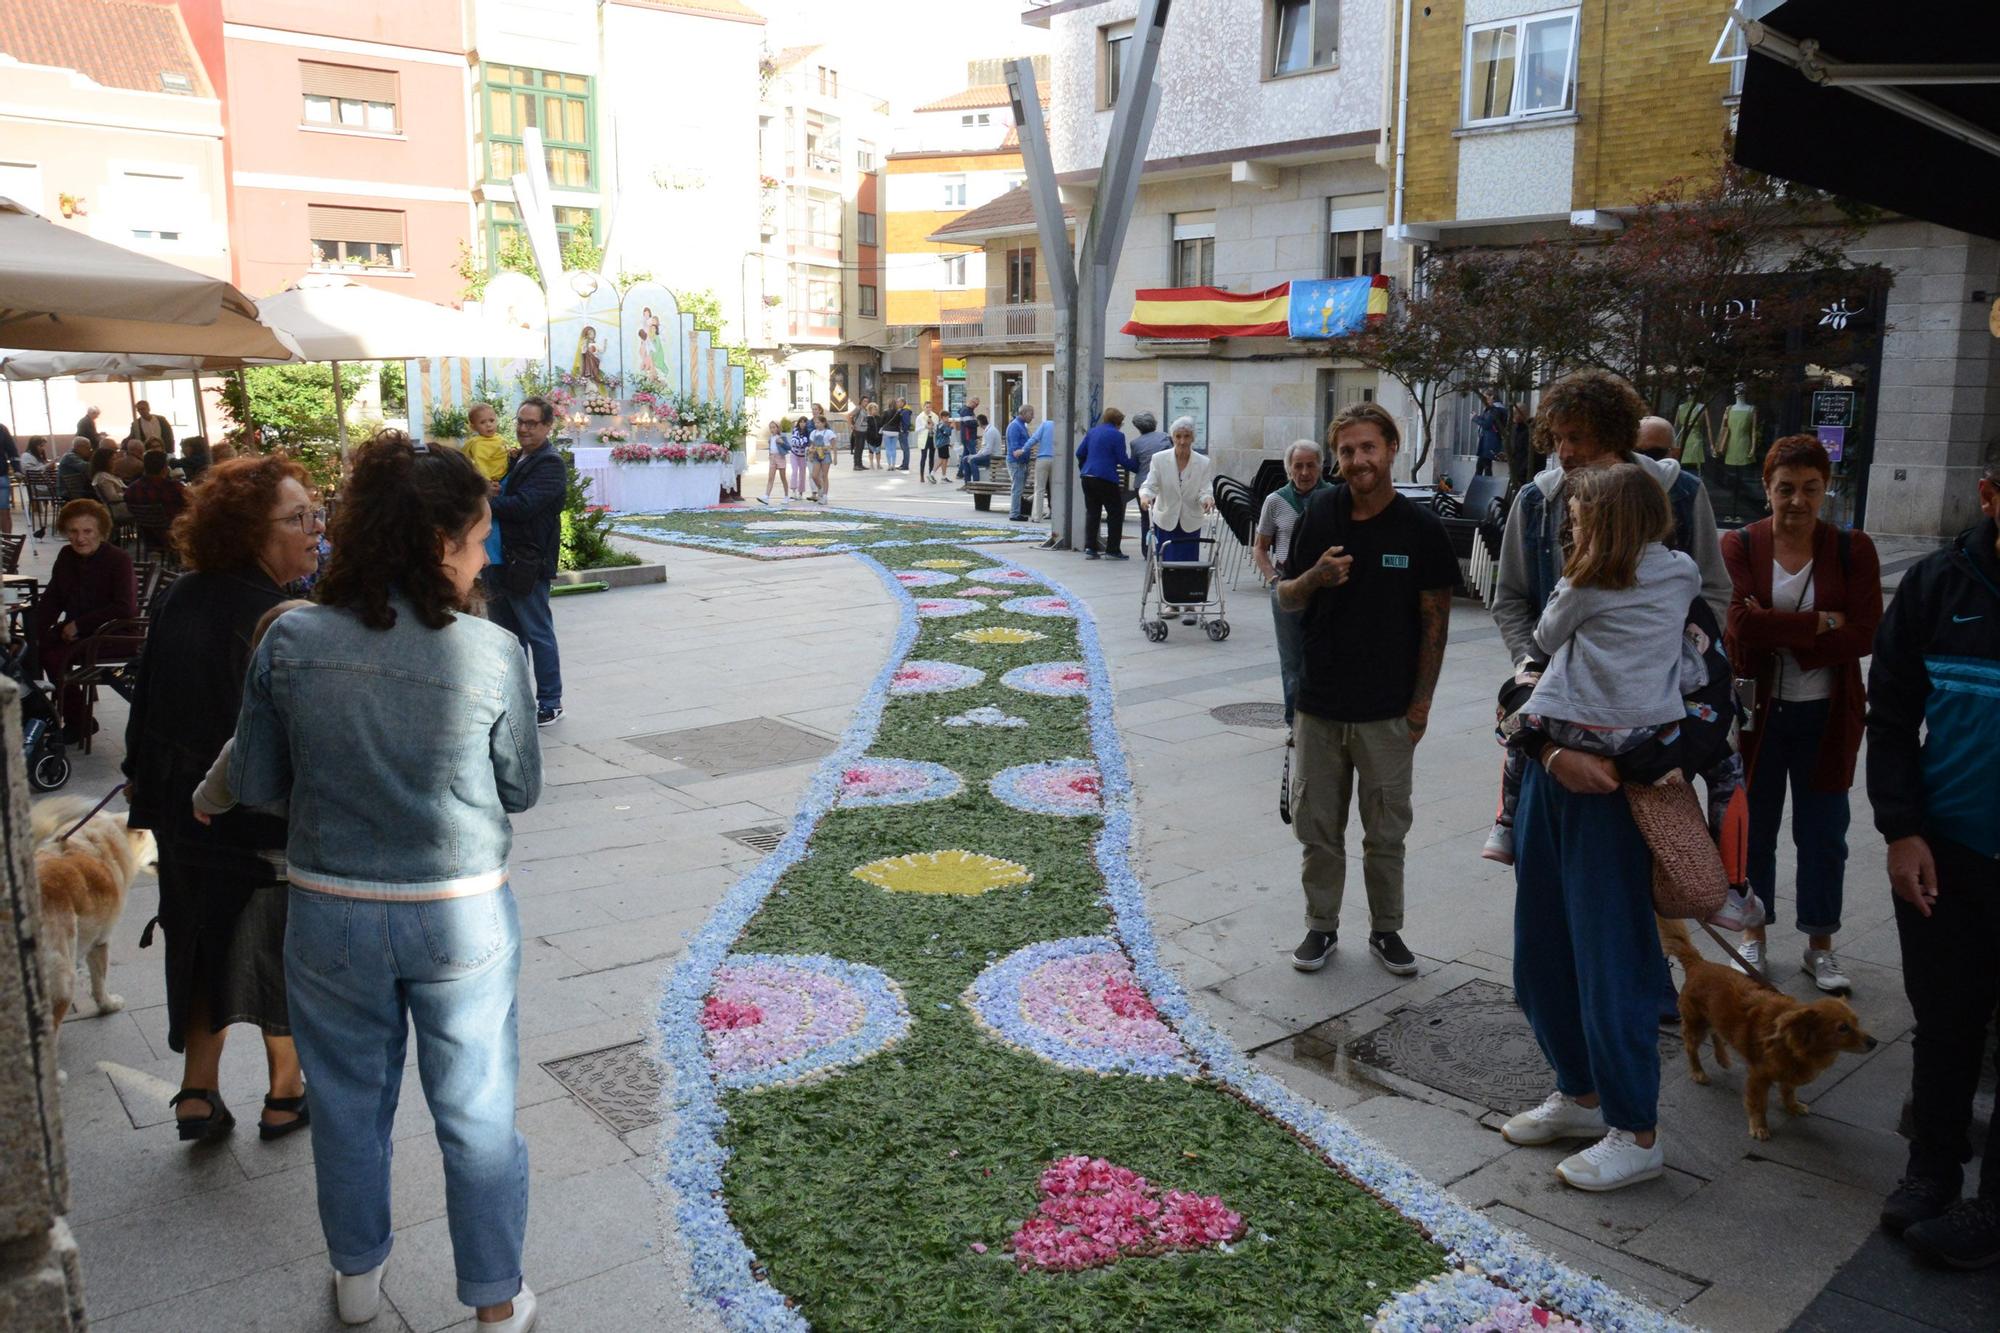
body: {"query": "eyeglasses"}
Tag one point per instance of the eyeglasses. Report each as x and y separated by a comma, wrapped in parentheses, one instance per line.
(305, 520)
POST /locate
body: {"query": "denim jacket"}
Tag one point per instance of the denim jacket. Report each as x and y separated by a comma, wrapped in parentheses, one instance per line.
(402, 751)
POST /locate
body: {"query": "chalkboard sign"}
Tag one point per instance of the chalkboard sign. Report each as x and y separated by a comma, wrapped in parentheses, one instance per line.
(1833, 407)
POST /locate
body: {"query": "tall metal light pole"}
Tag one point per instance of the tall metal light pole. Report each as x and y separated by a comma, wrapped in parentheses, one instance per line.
(1080, 279)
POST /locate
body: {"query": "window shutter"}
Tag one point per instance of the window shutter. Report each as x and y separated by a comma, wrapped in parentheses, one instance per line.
(363, 85)
(325, 223)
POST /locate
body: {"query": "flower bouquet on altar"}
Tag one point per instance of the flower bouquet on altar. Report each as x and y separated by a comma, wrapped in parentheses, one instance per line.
(708, 453)
(681, 433)
(631, 453)
(597, 405)
(612, 437)
(671, 453)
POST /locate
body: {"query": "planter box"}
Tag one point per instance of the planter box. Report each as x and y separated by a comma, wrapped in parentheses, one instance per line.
(623, 576)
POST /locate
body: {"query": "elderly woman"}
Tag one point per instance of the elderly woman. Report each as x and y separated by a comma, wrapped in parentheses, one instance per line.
(1273, 542)
(91, 586)
(1176, 492)
(1808, 597)
(250, 528)
(402, 731)
(104, 480)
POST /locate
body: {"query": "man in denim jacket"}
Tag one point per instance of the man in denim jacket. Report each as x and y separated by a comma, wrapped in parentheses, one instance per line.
(527, 519)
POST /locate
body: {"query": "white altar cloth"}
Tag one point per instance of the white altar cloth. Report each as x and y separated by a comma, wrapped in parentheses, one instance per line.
(648, 488)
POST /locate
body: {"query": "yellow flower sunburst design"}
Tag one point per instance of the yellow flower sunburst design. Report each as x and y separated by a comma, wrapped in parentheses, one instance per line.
(964, 874)
(943, 564)
(998, 634)
(807, 541)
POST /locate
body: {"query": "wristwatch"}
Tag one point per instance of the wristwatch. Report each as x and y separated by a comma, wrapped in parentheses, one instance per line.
(1827, 620)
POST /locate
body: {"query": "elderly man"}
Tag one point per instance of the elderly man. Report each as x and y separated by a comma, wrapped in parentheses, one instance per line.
(1656, 438)
(152, 432)
(86, 425)
(130, 465)
(73, 470)
(1271, 546)
(1020, 458)
(1933, 715)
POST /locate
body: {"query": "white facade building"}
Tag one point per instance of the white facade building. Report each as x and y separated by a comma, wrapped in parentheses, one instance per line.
(1265, 166)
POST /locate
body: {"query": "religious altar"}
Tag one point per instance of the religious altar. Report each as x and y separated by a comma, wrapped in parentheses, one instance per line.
(648, 488)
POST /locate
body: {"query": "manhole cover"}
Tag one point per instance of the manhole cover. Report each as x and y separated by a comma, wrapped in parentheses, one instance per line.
(1472, 1042)
(736, 747)
(1250, 715)
(763, 838)
(620, 1083)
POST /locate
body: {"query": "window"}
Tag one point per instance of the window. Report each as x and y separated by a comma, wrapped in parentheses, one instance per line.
(1354, 235)
(803, 396)
(864, 156)
(1020, 277)
(954, 192)
(1194, 249)
(22, 182)
(816, 300)
(973, 119)
(954, 270)
(816, 221)
(865, 232)
(829, 82)
(1305, 35)
(867, 300)
(355, 238)
(1519, 68)
(1112, 44)
(503, 220)
(559, 105)
(155, 204)
(1733, 51)
(347, 98)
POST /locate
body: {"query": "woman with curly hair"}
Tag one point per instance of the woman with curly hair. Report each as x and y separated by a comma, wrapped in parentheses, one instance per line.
(249, 529)
(402, 731)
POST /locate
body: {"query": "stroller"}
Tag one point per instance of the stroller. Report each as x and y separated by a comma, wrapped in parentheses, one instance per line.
(41, 722)
(1183, 570)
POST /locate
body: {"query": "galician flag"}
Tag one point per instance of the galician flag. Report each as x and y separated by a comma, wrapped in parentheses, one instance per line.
(1309, 309)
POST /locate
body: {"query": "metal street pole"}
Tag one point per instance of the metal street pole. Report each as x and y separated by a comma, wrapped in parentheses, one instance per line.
(1080, 283)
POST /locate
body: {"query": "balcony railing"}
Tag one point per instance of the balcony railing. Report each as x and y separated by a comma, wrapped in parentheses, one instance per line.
(997, 324)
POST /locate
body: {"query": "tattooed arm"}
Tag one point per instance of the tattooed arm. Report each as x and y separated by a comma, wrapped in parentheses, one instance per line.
(1434, 612)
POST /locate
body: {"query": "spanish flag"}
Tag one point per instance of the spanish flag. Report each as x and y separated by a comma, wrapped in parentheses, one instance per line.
(1308, 309)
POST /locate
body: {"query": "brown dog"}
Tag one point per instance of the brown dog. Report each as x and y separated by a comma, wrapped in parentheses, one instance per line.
(1783, 1041)
(84, 881)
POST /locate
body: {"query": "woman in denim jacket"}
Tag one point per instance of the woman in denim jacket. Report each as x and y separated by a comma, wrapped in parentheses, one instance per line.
(403, 735)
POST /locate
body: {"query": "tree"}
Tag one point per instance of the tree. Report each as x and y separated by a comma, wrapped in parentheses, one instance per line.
(1430, 341)
(290, 408)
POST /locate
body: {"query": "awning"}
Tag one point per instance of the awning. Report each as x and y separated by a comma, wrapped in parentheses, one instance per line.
(1894, 105)
(1314, 309)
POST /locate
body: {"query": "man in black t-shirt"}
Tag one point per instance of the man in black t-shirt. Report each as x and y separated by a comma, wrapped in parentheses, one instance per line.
(1373, 575)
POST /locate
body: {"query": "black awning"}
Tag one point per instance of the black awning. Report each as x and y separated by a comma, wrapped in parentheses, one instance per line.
(1837, 139)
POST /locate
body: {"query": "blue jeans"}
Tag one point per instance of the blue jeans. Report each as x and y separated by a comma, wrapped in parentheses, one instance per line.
(891, 441)
(971, 466)
(1792, 735)
(358, 973)
(1291, 650)
(529, 619)
(1587, 966)
(1019, 468)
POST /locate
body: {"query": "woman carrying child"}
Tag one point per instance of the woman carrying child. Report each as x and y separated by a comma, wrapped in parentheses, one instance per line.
(1606, 710)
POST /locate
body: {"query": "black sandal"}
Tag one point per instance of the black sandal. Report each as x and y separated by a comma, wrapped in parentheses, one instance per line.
(268, 1133)
(207, 1128)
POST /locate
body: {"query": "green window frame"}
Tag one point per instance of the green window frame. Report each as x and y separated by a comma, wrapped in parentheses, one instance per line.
(504, 219)
(562, 106)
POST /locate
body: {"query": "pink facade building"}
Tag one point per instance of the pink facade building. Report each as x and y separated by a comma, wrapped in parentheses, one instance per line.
(347, 140)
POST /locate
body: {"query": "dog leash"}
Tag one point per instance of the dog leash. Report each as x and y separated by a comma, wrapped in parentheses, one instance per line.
(1756, 973)
(109, 797)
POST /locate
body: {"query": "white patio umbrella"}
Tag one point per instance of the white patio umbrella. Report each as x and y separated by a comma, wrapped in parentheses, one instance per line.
(63, 291)
(115, 367)
(333, 318)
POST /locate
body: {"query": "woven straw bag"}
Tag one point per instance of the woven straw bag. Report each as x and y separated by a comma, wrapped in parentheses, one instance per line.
(1689, 881)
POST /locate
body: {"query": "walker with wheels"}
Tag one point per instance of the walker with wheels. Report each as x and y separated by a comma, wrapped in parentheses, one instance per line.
(1180, 581)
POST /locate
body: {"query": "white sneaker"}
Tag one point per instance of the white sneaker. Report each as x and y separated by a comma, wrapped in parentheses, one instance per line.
(358, 1299)
(521, 1320)
(1612, 1163)
(1557, 1118)
(1751, 952)
(1499, 845)
(1825, 971)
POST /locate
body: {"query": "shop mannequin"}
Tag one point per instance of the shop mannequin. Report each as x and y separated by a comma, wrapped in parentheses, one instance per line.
(1741, 475)
(1691, 425)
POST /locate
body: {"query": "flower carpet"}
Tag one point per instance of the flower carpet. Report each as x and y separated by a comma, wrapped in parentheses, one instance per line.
(927, 1070)
(771, 532)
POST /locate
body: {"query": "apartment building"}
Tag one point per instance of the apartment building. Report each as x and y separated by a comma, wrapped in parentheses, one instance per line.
(111, 124)
(999, 347)
(820, 145)
(1264, 167)
(347, 141)
(1531, 119)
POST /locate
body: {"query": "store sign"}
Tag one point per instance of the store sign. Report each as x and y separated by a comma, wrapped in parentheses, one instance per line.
(954, 368)
(1189, 400)
(1833, 407)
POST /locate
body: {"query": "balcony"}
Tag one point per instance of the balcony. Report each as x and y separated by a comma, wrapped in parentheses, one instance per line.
(997, 324)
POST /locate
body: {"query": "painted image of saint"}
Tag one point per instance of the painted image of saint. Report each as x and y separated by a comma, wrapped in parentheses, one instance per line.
(649, 343)
(588, 365)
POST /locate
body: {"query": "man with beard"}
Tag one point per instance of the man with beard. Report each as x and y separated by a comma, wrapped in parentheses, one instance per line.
(1373, 575)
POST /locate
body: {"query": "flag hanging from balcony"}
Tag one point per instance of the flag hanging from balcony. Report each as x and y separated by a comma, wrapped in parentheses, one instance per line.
(1326, 308)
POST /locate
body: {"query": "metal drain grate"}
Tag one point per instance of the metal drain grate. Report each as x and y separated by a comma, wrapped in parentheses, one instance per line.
(1250, 715)
(1472, 1042)
(736, 747)
(620, 1083)
(762, 838)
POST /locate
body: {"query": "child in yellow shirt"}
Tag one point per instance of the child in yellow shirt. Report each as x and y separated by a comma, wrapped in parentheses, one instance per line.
(486, 449)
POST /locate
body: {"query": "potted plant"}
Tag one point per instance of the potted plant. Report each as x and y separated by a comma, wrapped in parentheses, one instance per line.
(447, 425)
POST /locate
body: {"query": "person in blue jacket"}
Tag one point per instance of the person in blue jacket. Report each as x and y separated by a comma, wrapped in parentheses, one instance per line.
(527, 536)
(1020, 458)
(1934, 783)
(1099, 459)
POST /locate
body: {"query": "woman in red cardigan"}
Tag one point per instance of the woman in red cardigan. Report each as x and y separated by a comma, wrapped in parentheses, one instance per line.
(1807, 598)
